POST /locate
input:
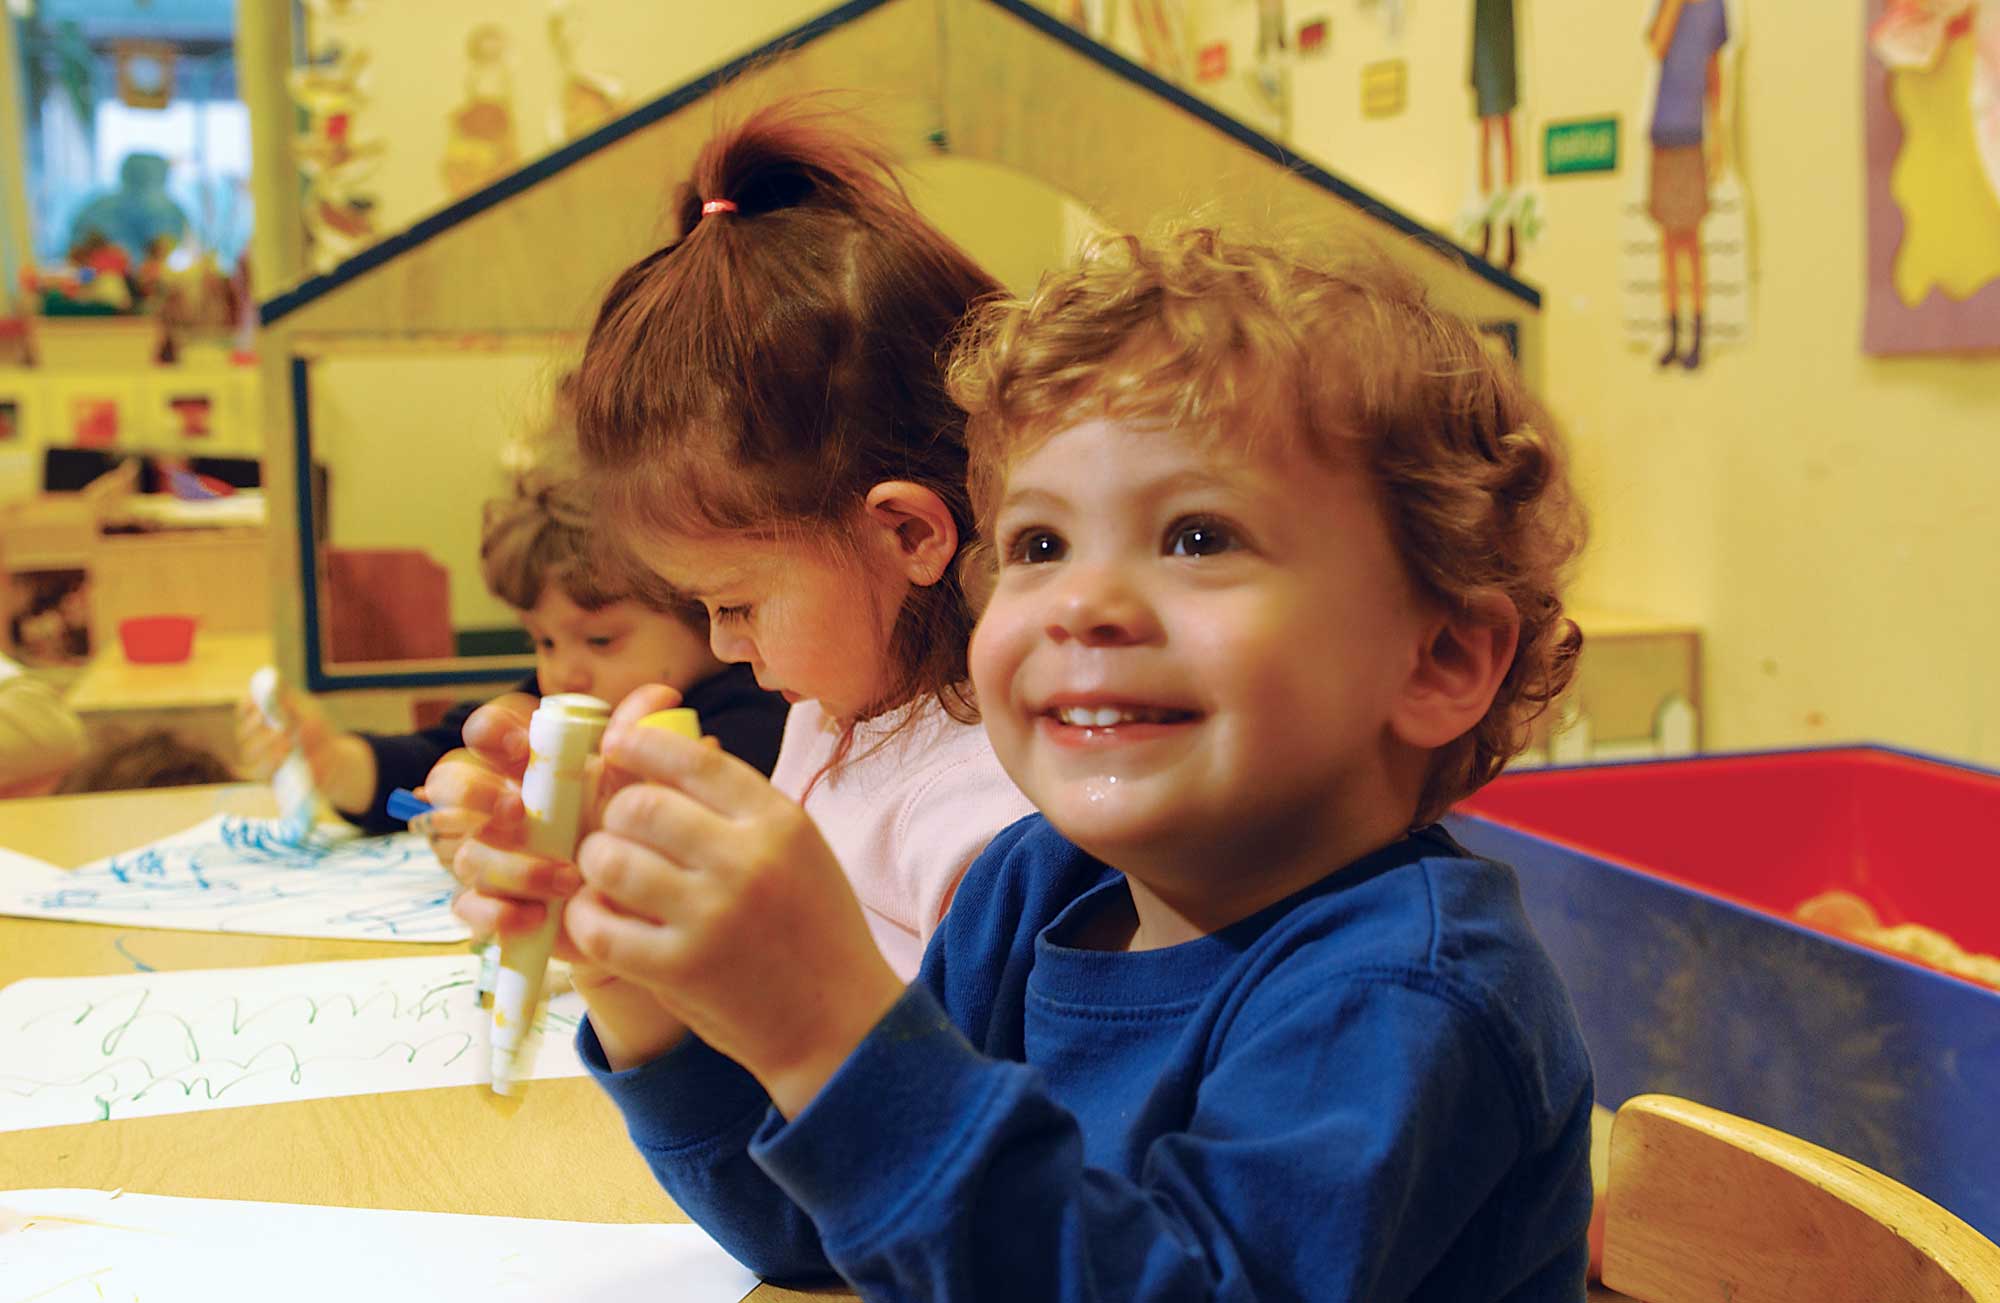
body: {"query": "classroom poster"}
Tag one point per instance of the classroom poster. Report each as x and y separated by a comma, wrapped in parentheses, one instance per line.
(1502, 215)
(1931, 96)
(1685, 269)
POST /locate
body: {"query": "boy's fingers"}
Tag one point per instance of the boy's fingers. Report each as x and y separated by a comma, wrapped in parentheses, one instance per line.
(636, 879)
(501, 872)
(498, 733)
(492, 916)
(465, 784)
(711, 776)
(610, 939)
(641, 702)
(671, 822)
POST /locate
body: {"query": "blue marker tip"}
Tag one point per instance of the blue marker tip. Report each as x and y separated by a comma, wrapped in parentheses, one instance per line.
(404, 805)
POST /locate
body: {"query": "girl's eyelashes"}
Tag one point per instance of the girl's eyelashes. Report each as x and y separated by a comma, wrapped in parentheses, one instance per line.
(730, 614)
(1034, 545)
(1194, 536)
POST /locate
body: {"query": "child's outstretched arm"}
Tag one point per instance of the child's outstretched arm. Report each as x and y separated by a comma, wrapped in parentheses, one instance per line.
(343, 766)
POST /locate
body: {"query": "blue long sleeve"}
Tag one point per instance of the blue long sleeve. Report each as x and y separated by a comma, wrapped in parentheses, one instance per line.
(691, 1113)
(980, 1188)
(1374, 1090)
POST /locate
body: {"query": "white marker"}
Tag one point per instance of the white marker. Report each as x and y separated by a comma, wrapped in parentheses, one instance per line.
(298, 798)
(562, 736)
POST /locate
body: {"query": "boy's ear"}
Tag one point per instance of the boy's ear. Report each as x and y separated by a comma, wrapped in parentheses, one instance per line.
(915, 527)
(1459, 667)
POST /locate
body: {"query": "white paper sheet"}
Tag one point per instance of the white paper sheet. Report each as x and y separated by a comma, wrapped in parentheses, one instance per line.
(90, 1246)
(230, 874)
(20, 872)
(86, 1049)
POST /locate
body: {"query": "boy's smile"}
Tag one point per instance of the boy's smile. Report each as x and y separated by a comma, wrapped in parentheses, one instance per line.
(1192, 656)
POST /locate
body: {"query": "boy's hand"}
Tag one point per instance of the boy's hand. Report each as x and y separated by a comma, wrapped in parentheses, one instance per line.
(343, 766)
(709, 887)
(480, 821)
(466, 786)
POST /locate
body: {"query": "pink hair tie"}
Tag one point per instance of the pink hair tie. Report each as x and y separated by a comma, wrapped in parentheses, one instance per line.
(718, 206)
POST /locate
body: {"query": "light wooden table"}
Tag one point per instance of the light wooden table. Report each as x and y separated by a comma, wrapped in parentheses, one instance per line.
(560, 1153)
(194, 699)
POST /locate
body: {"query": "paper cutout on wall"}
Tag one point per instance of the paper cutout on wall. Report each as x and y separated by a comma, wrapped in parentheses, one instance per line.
(1686, 264)
(1502, 216)
(90, 1049)
(586, 100)
(337, 162)
(1931, 87)
(480, 140)
(91, 1246)
(229, 874)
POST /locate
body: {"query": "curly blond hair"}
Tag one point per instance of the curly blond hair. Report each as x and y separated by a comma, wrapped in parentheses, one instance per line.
(1241, 342)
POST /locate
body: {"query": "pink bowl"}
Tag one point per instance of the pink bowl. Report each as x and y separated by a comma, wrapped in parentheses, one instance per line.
(157, 639)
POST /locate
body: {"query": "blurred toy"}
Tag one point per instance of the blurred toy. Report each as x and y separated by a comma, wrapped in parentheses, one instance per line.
(92, 284)
(337, 164)
(586, 101)
(480, 142)
(135, 214)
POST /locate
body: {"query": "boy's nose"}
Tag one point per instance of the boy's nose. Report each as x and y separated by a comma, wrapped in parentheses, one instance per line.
(1099, 605)
(573, 673)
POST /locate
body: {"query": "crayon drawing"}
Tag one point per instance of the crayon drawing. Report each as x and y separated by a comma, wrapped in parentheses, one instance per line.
(94, 1246)
(84, 1049)
(230, 874)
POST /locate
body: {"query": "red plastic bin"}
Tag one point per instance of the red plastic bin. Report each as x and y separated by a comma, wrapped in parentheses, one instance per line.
(157, 639)
(1665, 891)
(1918, 840)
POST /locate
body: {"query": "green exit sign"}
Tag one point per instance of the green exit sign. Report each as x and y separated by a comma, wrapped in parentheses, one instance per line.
(1584, 145)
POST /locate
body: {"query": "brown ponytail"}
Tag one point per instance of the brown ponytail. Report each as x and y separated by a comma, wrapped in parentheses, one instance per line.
(776, 361)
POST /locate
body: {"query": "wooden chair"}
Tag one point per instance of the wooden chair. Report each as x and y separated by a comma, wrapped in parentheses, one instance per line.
(1706, 1207)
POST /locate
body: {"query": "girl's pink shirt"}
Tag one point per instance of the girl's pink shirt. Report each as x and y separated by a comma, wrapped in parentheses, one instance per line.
(905, 814)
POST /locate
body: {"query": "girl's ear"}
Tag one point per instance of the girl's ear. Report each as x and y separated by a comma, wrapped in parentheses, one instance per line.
(1463, 660)
(915, 528)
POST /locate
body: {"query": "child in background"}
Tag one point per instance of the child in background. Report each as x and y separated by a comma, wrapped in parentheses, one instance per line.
(40, 737)
(156, 758)
(764, 405)
(599, 626)
(1278, 549)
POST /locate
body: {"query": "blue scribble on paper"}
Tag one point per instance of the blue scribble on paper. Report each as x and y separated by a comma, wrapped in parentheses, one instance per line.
(232, 874)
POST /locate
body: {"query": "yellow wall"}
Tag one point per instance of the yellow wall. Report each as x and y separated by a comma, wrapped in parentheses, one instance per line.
(1832, 521)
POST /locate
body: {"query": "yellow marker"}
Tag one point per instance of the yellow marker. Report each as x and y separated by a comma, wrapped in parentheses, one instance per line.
(679, 720)
(562, 736)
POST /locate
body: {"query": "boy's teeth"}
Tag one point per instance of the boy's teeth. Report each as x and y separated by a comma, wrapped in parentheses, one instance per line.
(1108, 716)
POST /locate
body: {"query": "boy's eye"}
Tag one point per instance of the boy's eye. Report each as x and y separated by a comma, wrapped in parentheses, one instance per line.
(730, 614)
(1200, 537)
(600, 641)
(545, 644)
(1035, 546)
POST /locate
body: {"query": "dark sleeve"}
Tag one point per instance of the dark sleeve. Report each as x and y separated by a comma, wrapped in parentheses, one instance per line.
(406, 759)
(933, 1171)
(748, 721)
